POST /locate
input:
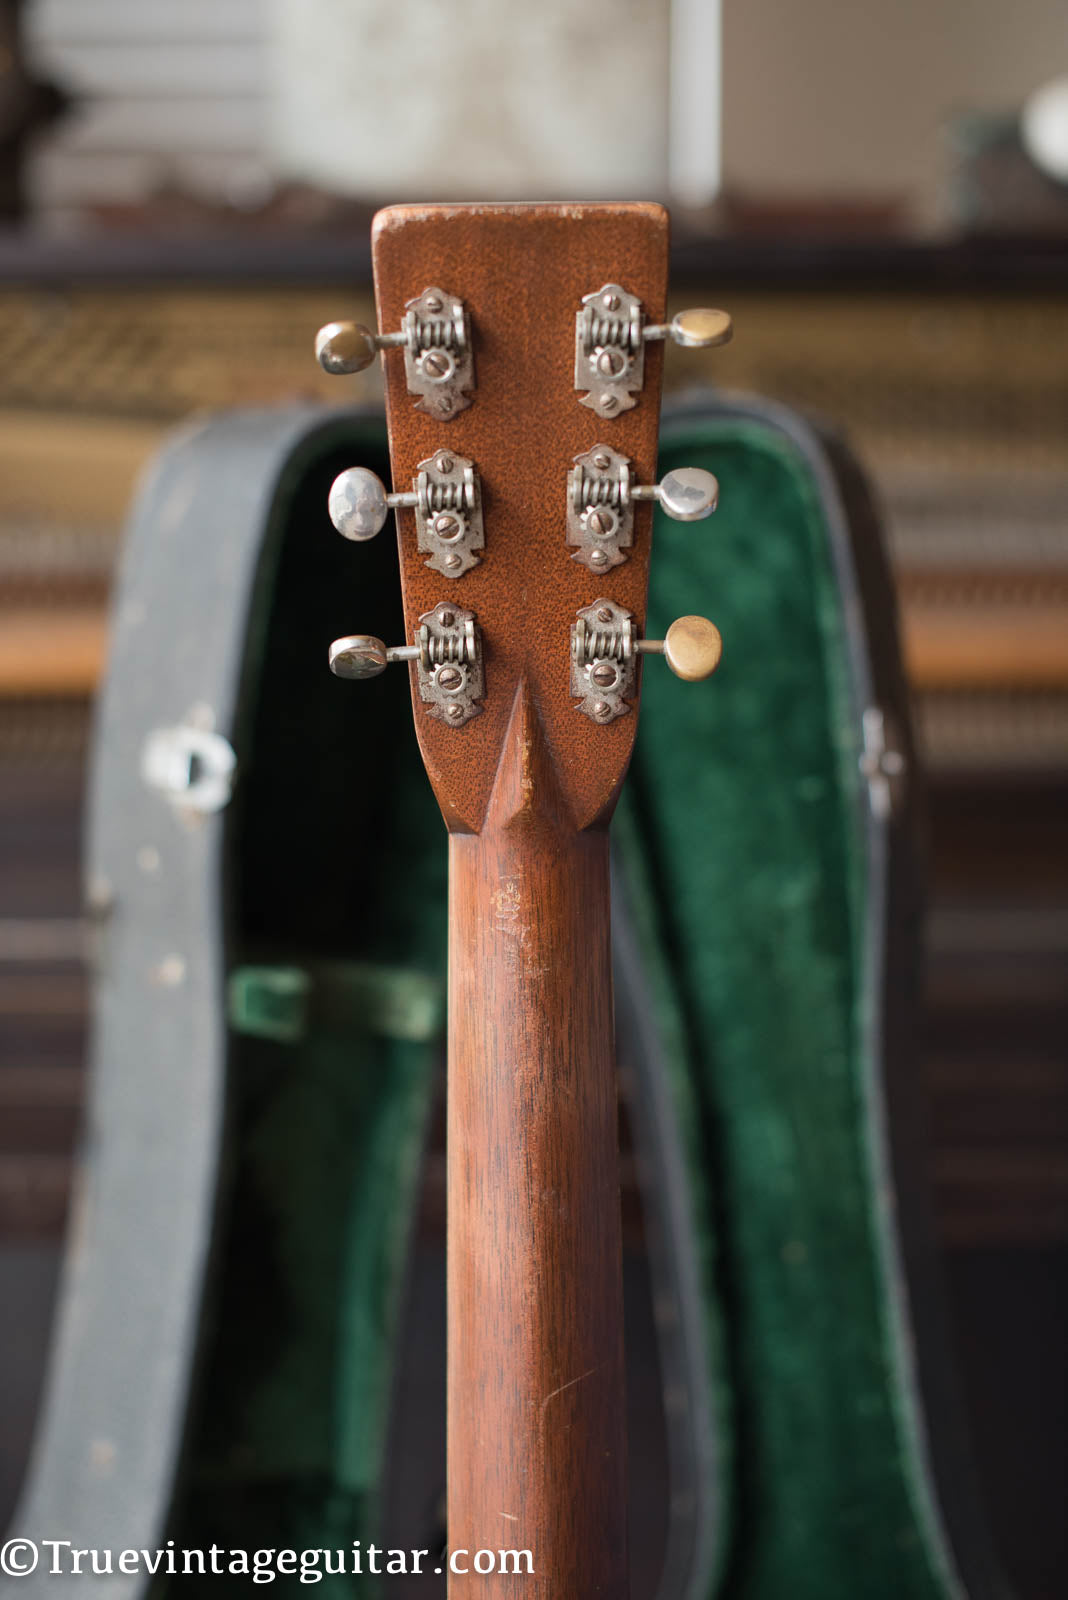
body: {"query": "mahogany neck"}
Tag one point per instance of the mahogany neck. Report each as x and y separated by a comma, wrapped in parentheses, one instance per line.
(536, 1398)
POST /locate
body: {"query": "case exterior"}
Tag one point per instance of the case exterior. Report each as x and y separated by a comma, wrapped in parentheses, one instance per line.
(268, 1022)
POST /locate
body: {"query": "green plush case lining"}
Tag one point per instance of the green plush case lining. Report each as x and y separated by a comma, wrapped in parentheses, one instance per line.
(739, 838)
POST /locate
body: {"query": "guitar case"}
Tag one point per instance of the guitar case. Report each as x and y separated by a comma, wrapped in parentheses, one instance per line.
(267, 882)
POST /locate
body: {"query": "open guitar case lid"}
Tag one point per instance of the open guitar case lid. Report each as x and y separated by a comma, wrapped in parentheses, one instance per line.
(267, 882)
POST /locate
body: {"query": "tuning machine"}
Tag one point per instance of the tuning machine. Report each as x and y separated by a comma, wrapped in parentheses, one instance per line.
(605, 647)
(448, 657)
(610, 338)
(600, 503)
(445, 495)
(435, 335)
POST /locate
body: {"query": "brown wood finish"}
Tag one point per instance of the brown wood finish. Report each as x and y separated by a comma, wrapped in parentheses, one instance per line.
(536, 1401)
(537, 1446)
(522, 270)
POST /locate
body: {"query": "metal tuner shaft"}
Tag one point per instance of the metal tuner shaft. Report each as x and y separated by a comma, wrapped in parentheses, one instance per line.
(687, 494)
(699, 329)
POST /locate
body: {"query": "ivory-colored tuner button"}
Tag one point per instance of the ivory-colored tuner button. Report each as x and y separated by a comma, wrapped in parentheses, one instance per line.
(701, 328)
(689, 494)
(344, 347)
(693, 648)
(358, 503)
(358, 655)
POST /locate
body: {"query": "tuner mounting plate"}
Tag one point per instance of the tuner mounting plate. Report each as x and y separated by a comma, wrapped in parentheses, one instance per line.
(438, 361)
(600, 517)
(448, 516)
(603, 660)
(451, 679)
(609, 350)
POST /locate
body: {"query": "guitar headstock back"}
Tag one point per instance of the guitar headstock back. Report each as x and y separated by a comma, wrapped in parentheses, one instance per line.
(531, 336)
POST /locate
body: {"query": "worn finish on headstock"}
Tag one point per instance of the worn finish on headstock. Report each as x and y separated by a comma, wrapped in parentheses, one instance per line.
(522, 271)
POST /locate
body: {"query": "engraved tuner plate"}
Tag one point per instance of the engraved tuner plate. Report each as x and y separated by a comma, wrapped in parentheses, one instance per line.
(603, 660)
(448, 513)
(609, 350)
(600, 516)
(439, 365)
(449, 666)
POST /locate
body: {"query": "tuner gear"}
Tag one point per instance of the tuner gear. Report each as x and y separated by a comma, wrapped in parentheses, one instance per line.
(436, 339)
(600, 504)
(605, 647)
(610, 338)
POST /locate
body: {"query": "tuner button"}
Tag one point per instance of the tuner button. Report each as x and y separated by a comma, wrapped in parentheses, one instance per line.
(361, 655)
(701, 328)
(435, 336)
(358, 655)
(693, 648)
(689, 494)
(358, 503)
(344, 347)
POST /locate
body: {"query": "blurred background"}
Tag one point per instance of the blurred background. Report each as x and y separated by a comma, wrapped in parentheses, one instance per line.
(879, 194)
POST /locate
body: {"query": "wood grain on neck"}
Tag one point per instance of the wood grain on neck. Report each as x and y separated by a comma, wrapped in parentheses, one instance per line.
(536, 1404)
